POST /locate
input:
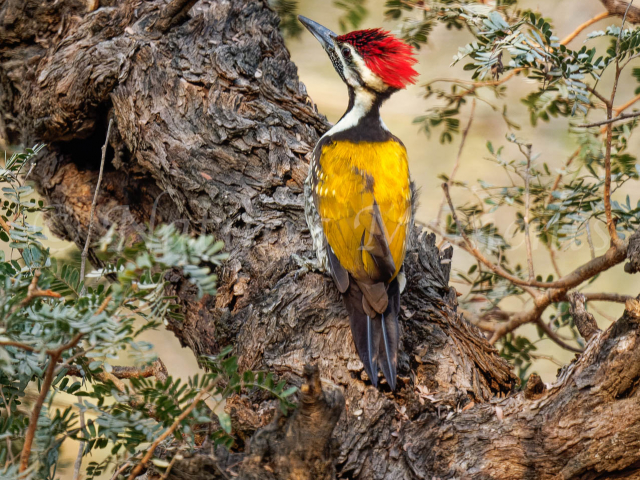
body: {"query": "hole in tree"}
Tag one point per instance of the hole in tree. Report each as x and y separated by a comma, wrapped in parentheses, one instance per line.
(86, 153)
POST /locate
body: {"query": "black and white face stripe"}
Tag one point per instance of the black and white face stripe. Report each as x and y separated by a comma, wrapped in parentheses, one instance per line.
(337, 63)
(366, 94)
(355, 72)
(367, 91)
(345, 58)
(349, 71)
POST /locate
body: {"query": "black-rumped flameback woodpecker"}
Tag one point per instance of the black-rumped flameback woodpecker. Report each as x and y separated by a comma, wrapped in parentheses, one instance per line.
(358, 193)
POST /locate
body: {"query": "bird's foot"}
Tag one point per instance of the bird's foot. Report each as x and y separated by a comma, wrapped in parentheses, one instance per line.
(307, 265)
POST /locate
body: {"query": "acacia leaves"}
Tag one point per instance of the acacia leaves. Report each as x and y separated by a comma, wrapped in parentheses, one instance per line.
(56, 327)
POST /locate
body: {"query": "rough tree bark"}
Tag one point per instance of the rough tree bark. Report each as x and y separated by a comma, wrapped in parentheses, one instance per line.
(213, 127)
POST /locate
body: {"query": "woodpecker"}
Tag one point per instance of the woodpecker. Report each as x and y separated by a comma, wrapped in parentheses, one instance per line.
(358, 195)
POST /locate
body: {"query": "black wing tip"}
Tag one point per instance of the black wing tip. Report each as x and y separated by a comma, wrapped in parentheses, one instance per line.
(391, 379)
(376, 339)
(388, 348)
(382, 353)
(374, 379)
(392, 383)
(372, 367)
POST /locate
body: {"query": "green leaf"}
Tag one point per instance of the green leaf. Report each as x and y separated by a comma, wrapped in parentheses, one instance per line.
(288, 392)
(225, 421)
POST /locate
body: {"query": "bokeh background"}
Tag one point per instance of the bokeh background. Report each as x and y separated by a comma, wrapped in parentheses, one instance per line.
(429, 158)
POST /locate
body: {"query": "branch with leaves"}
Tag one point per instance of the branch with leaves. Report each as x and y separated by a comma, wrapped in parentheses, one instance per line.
(57, 324)
(557, 209)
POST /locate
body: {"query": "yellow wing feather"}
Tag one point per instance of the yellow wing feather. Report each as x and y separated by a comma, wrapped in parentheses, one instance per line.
(351, 177)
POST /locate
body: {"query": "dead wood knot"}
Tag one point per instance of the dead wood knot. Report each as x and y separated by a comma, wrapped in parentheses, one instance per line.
(585, 321)
(299, 446)
(535, 387)
(632, 306)
(633, 253)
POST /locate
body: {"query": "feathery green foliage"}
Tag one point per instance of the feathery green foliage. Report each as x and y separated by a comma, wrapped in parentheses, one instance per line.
(50, 328)
(354, 13)
(287, 10)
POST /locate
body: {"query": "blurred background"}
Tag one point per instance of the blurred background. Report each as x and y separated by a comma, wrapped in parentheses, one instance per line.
(429, 158)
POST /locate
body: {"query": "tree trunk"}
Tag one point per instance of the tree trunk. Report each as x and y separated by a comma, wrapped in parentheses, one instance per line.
(212, 130)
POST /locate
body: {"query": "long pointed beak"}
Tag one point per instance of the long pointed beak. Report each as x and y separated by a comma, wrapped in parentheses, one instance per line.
(325, 36)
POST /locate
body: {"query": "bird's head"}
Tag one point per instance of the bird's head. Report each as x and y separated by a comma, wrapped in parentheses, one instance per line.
(372, 59)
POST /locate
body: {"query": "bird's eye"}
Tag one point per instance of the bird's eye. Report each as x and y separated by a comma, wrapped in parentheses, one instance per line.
(346, 53)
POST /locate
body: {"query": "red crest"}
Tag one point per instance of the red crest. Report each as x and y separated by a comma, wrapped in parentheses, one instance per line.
(387, 56)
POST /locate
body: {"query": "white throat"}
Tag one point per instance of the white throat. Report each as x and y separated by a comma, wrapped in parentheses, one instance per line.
(361, 106)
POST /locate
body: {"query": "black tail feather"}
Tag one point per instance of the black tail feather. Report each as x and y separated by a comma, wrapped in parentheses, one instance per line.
(376, 338)
(388, 354)
(372, 367)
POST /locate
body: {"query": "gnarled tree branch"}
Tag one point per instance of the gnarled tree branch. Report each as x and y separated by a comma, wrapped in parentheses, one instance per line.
(620, 8)
(212, 132)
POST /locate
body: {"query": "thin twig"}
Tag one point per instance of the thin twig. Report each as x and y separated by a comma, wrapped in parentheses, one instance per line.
(588, 23)
(611, 120)
(156, 369)
(23, 346)
(5, 226)
(607, 180)
(624, 106)
(106, 377)
(631, 58)
(124, 466)
(624, 18)
(457, 164)
(168, 470)
(527, 207)
(71, 359)
(547, 357)
(471, 248)
(617, 111)
(34, 292)
(44, 390)
(103, 306)
(553, 336)
(29, 348)
(615, 240)
(554, 261)
(85, 251)
(606, 297)
(35, 413)
(597, 94)
(10, 458)
(556, 184)
(138, 468)
(590, 241)
(604, 315)
(613, 256)
(78, 464)
(33, 164)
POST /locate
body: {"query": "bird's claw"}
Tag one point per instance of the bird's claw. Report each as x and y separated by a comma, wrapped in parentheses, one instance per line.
(306, 265)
